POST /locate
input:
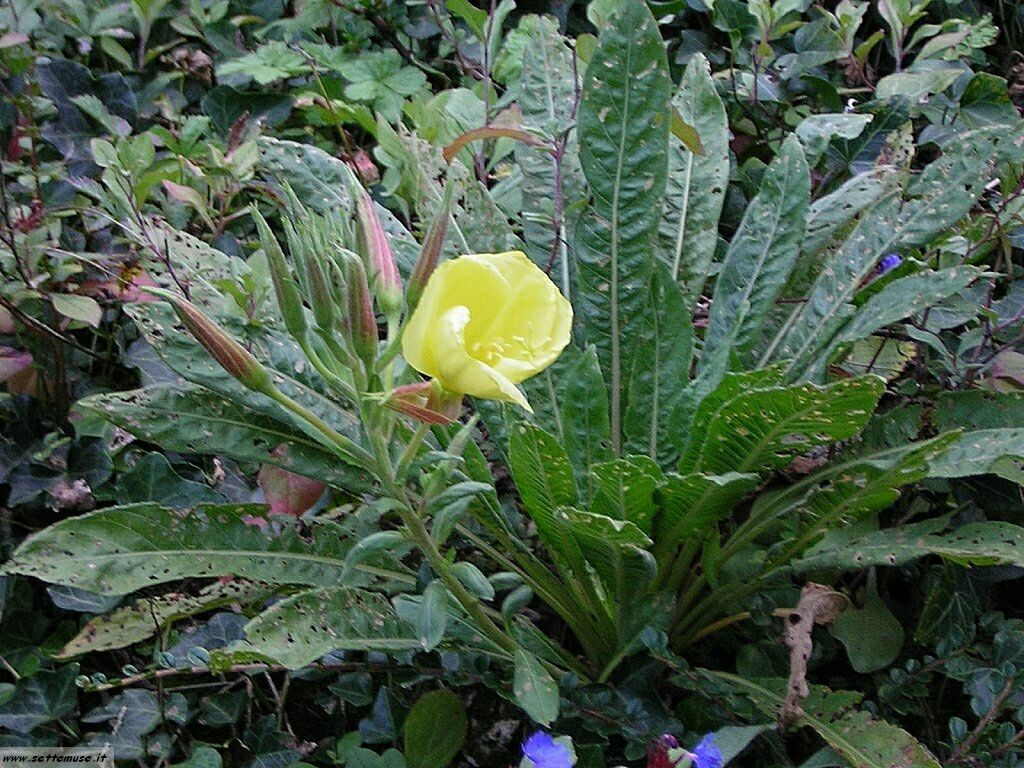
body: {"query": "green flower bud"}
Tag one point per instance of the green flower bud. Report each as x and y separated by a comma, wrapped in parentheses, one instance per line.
(289, 300)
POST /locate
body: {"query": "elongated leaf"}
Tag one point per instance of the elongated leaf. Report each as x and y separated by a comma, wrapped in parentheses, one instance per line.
(121, 549)
(302, 628)
(758, 263)
(689, 505)
(541, 470)
(544, 477)
(979, 452)
(623, 131)
(829, 214)
(662, 364)
(616, 550)
(695, 189)
(625, 490)
(966, 167)
(764, 429)
(899, 299)
(149, 615)
(863, 741)
(991, 543)
(843, 493)
(433, 616)
(196, 420)
(274, 348)
(547, 96)
(814, 321)
(583, 417)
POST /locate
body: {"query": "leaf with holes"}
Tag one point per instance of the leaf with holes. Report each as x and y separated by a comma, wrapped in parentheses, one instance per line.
(980, 452)
(764, 429)
(534, 688)
(299, 630)
(547, 96)
(625, 490)
(623, 131)
(757, 264)
(696, 184)
(148, 615)
(195, 420)
(662, 365)
(988, 543)
(122, 549)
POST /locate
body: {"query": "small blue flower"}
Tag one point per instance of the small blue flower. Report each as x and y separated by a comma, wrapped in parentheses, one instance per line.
(706, 754)
(888, 263)
(545, 752)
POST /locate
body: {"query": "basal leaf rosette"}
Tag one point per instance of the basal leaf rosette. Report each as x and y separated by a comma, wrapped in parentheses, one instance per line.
(485, 322)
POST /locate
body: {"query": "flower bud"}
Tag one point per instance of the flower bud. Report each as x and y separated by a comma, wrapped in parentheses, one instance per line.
(376, 250)
(232, 356)
(360, 309)
(414, 400)
(320, 295)
(289, 300)
(430, 253)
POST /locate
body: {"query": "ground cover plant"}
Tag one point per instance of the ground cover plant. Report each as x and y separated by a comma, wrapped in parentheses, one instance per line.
(542, 384)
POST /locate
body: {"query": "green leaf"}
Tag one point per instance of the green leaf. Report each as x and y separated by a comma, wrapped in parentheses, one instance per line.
(979, 452)
(862, 740)
(988, 543)
(544, 478)
(433, 615)
(583, 417)
(690, 505)
(534, 688)
(872, 635)
(121, 549)
(830, 214)
(814, 321)
(623, 130)
(624, 490)
(435, 730)
(153, 480)
(84, 309)
(473, 16)
(765, 428)
(616, 550)
(816, 131)
(149, 615)
(195, 420)
(899, 299)
(662, 364)
(46, 696)
(547, 95)
(843, 493)
(302, 628)
(757, 264)
(696, 184)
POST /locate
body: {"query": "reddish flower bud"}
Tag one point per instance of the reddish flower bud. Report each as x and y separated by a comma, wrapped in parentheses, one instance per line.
(232, 356)
(376, 250)
(430, 253)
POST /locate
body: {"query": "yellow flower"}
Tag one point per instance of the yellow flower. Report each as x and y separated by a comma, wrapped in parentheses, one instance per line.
(486, 322)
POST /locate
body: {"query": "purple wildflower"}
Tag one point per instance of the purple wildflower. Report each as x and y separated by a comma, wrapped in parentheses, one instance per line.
(545, 752)
(888, 263)
(706, 754)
